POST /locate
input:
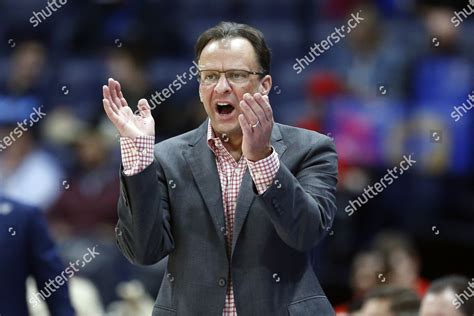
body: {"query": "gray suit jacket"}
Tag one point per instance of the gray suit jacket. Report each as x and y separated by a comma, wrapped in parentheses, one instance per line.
(174, 207)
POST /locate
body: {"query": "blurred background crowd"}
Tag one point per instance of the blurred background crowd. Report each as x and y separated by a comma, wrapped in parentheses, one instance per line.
(388, 89)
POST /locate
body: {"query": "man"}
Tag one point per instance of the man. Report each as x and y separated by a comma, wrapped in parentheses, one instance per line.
(237, 203)
(27, 249)
(451, 295)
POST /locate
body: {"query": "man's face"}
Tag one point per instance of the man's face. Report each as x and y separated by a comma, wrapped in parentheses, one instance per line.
(221, 55)
(439, 304)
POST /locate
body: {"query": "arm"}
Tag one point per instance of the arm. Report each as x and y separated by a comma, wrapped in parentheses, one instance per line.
(302, 206)
(144, 229)
(46, 265)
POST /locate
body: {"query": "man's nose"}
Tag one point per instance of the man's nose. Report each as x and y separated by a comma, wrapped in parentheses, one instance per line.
(222, 85)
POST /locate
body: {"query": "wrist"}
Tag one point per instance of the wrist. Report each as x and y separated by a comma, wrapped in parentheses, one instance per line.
(265, 153)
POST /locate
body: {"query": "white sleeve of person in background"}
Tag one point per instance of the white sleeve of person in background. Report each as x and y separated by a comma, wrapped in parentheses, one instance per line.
(37, 181)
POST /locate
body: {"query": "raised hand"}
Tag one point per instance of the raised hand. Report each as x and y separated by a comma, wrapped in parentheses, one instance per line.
(121, 115)
(256, 123)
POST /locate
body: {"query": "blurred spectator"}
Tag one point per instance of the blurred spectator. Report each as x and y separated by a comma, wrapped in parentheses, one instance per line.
(26, 77)
(87, 205)
(391, 301)
(366, 268)
(442, 73)
(27, 249)
(402, 260)
(372, 62)
(27, 172)
(451, 295)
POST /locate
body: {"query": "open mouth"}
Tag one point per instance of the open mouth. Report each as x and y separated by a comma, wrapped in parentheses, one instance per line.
(224, 108)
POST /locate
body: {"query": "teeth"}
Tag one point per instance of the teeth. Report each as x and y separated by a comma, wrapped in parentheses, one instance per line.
(222, 104)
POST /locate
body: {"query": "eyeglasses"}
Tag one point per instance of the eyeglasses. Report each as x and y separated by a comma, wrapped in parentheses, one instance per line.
(233, 76)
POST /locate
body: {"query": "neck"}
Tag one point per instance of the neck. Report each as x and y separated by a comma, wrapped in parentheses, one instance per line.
(234, 145)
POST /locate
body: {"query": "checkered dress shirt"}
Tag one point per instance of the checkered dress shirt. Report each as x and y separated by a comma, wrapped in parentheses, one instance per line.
(138, 154)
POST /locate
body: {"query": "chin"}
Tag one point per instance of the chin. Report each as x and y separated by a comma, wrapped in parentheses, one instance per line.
(227, 128)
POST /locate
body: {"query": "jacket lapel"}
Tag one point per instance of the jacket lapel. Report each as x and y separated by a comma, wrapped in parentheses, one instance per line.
(202, 163)
(247, 192)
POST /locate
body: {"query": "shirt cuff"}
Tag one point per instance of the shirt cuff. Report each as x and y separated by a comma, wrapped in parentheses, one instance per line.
(264, 171)
(137, 154)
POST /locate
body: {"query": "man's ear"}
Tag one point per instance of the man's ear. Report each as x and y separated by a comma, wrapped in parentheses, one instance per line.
(265, 85)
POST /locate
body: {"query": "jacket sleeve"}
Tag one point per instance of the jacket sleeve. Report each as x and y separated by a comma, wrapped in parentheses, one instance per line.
(302, 205)
(143, 230)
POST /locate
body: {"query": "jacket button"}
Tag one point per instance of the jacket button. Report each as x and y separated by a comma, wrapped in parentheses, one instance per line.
(222, 282)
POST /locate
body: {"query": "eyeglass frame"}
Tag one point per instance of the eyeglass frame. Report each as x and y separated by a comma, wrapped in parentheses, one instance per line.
(225, 72)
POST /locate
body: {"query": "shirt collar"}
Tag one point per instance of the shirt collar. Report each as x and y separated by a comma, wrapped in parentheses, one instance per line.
(213, 141)
(215, 144)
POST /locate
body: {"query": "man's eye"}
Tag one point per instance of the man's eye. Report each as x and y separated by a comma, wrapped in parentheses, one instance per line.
(237, 75)
(212, 76)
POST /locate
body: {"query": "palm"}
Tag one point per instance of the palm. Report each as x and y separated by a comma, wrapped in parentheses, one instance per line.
(127, 123)
(134, 124)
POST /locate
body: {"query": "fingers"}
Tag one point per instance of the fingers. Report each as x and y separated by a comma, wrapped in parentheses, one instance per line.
(262, 106)
(244, 125)
(122, 100)
(249, 115)
(144, 108)
(108, 98)
(109, 111)
(113, 93)
(106, 92)
(254, 102)
(258, 108)
(118, 88)
(267, 108)
(114, 88)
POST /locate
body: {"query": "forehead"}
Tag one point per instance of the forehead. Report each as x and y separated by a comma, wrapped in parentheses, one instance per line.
(228, 53)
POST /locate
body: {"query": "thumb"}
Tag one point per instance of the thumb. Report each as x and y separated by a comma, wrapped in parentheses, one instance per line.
(144, 108)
